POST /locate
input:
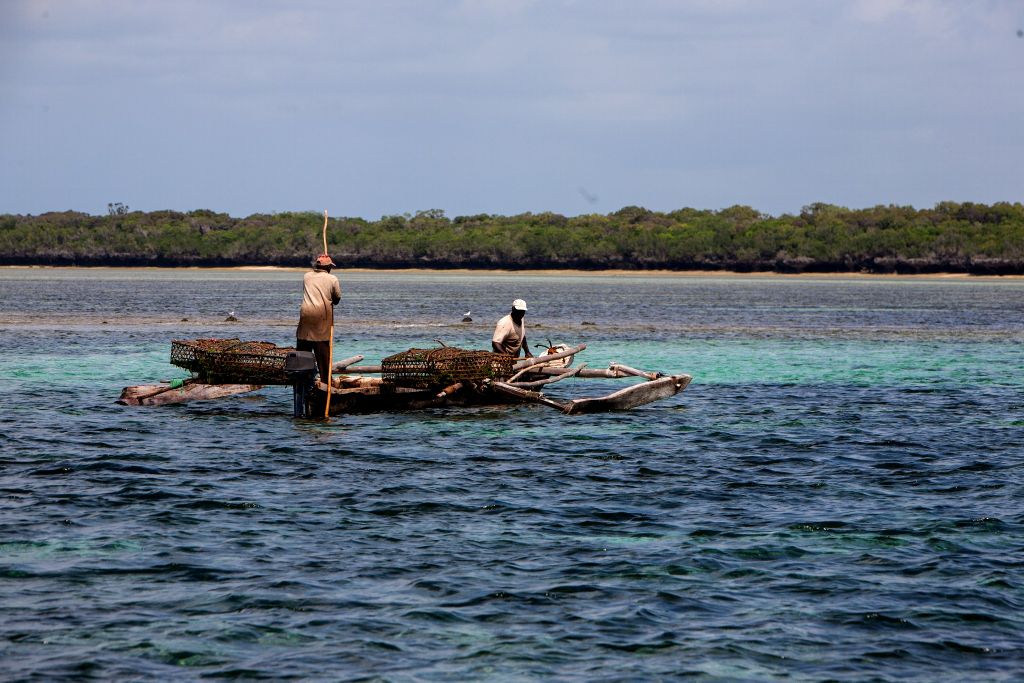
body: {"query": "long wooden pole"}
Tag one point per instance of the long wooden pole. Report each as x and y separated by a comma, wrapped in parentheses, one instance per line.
(550, 380)
(545, 357)
(342, 365)
(330, 348)
(325, 231)
(524, 395)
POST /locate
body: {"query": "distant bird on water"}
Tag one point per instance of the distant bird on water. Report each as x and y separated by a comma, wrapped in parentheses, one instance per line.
(466, 318)
(231, 318)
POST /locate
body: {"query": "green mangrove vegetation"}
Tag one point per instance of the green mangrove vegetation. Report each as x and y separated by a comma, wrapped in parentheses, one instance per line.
(950, 237)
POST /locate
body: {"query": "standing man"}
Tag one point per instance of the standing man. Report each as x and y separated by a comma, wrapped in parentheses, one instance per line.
(321, 292)
(510, 332)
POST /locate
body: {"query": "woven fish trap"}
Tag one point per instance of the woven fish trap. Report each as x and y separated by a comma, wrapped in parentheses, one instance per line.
(231, 361)
(430, 368)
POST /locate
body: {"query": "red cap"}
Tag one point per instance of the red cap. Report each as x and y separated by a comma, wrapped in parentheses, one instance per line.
(325, 260)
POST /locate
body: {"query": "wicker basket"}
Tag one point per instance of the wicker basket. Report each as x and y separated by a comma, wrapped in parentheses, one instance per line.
(431, 368)
(231, 361)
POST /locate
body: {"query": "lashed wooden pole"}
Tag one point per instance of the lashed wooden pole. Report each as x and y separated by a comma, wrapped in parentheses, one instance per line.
(325, 231)
(330, 348)
(550, 380)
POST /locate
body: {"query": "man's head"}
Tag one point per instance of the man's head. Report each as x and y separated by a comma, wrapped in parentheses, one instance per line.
(323, 262)
(518, 309)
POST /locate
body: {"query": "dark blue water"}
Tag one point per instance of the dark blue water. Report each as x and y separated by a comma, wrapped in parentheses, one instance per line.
(837, 496)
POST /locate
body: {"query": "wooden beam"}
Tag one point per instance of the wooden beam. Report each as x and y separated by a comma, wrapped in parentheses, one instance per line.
(448, 391)
(526, 396)
(342, 365)
(587, 373)
(630, 397)
(158, 395)
(366, 369)
(544, 358)
(626, 370)
(566, 374)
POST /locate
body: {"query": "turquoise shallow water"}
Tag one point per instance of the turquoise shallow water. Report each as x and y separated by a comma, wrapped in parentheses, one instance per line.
(835, 497)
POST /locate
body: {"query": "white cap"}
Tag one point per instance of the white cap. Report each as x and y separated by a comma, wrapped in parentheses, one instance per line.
(519, 305)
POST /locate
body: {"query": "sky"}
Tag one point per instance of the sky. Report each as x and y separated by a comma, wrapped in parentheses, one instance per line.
(508, 106)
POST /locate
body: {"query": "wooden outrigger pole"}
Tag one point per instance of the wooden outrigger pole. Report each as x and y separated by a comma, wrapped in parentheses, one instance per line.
(330, 348)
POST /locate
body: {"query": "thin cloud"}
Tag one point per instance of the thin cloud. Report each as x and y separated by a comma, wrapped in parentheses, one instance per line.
(486, 106)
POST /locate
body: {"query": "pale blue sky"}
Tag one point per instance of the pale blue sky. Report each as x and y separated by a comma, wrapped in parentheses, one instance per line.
(506, 106)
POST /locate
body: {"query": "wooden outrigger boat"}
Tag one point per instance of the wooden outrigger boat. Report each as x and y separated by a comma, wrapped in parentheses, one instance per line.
(413, 380)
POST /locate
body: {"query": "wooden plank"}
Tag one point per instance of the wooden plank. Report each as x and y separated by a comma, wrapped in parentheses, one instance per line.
(159, 395)
(137, 393)
(630, 397)
(526, 396)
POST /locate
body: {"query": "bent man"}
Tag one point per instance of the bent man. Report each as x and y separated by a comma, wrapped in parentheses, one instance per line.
(321, 292)
(510, 332)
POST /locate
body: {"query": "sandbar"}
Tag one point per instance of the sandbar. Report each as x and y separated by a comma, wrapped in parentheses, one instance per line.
(559, 272)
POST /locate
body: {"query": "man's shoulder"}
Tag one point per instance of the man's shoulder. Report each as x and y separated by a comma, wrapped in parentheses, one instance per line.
(502, 327)
(320, 275)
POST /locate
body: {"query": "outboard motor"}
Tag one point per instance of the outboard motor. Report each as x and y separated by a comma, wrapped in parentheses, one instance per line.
(301, 369)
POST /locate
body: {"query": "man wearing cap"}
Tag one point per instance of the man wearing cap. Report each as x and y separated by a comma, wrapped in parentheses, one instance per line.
(510, 332)
(321, 292)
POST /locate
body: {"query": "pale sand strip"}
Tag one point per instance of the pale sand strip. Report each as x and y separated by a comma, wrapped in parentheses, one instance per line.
(566, 272)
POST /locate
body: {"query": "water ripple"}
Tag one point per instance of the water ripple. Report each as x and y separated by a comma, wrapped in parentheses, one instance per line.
(830, 503)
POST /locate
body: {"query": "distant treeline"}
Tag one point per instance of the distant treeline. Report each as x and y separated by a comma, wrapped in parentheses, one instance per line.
(951, 237)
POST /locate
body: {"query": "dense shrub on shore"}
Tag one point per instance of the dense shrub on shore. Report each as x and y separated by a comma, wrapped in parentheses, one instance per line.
(951, 237)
